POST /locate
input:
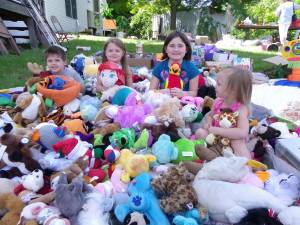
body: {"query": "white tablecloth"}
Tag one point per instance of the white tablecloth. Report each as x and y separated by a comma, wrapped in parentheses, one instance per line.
(275, 98)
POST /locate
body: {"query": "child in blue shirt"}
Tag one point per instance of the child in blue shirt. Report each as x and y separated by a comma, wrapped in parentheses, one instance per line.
(176, 49)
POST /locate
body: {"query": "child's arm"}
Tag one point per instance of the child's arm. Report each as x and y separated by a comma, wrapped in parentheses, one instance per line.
(154, 83)
(239, 132)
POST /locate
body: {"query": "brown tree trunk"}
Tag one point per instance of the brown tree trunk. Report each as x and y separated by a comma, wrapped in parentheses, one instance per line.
(173, 15)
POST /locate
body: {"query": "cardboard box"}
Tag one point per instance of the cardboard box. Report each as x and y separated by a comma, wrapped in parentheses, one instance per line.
(199, 40)
(145, 60)
(224, 64)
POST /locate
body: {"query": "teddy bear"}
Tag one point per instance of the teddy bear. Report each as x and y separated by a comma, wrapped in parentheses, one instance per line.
(155, 98)
(218, 144)
(169, 112)
(16, 152)
(143, 200)
(158, 129)
(10, 209)
(175, 189)
(133, 164)
(29, 109)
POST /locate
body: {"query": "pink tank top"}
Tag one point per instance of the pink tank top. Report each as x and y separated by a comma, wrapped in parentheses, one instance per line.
(217, 109)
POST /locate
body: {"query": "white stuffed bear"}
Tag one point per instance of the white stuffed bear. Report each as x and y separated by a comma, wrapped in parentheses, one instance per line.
(33, 181)
(229, 202)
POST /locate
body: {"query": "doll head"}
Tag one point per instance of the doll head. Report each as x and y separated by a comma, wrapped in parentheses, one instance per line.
(109, 74)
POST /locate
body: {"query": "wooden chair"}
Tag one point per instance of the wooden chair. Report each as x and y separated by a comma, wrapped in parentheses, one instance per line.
(109, 25)
(61, 34)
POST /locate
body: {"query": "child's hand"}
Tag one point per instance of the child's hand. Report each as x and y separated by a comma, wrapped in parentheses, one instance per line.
(177, 92)
(35, 68)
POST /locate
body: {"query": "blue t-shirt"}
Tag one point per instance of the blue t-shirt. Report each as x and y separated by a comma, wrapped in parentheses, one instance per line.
(188, 72)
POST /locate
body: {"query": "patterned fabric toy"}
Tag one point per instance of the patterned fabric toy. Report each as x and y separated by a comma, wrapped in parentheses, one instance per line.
(176, 191)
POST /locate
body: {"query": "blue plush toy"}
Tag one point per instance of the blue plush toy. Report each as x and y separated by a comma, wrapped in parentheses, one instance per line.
(164, 149)
(143, 200)
(57, 84)
(191, 217)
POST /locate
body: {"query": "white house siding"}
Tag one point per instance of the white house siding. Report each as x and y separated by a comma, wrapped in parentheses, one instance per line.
(188, 22)
(57, 8)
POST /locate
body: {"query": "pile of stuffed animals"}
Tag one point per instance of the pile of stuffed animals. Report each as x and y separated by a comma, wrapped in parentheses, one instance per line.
(130, 157)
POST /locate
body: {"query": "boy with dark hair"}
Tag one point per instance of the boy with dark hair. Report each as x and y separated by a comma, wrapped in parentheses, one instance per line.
(56, 61)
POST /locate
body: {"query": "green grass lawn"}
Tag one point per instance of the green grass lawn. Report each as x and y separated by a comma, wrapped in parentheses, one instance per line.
(13, 70)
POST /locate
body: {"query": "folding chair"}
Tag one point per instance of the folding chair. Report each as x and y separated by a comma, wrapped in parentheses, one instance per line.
(109, 25)
(61, 34)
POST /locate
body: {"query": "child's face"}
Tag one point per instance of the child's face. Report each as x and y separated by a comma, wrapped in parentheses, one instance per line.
(221, 88)
(55, 63)
(113, 53)
(176, 49)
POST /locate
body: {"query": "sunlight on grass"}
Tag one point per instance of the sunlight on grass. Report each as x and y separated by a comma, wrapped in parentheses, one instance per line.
(13, 70)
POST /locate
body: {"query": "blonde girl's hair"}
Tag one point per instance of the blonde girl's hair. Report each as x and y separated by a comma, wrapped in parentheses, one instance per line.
(121, 45)
(240, 82)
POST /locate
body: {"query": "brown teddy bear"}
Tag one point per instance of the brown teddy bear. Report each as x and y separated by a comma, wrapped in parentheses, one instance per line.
(29, 108)
(10, 209)
(176, 190)
(17, 154)
(169, 112)
(218, 144)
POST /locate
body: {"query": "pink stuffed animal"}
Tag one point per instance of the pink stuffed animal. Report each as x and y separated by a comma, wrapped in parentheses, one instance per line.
(114, 185)
(133, 112)
(198, 101)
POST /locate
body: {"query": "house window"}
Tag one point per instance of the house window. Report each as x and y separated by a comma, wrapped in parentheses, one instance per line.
(71, 8)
